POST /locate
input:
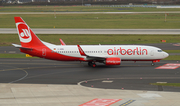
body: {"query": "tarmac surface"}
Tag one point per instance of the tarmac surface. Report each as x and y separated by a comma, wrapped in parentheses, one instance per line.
(40, 82)
(129, 75)
(94, 31)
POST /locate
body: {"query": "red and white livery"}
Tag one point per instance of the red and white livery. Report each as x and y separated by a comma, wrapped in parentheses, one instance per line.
(107, 54)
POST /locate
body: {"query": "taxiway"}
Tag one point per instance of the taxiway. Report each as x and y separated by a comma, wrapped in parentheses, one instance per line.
(46, 82)
(94, 31)
(129, 75)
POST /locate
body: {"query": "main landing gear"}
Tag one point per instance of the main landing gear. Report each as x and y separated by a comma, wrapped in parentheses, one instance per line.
(92, 64)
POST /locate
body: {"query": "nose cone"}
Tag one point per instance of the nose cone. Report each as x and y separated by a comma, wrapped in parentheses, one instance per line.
(165, 54)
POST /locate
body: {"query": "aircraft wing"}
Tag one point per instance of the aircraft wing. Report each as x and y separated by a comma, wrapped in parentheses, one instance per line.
(88, 56)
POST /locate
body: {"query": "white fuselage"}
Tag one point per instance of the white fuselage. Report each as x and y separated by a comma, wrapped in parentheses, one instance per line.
(125, 52)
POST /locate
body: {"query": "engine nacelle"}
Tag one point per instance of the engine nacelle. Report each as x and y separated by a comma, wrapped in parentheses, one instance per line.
(113, 61)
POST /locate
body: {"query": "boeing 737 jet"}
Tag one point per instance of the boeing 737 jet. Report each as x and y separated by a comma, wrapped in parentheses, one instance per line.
(107, 54)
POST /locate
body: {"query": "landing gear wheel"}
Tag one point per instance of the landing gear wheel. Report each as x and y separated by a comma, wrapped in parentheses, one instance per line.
(152, 64)
(92, 64)
(89, 63)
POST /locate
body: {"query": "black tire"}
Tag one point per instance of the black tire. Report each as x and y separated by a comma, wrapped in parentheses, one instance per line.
(92, 64)
(89, 63)
(152, 64)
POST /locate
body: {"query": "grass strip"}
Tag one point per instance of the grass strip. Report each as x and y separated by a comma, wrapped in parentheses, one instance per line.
(95, 21)
(95, 39)
(14, 56)
(173, 57)
(167, 84)
(172, 51)
(97, 8)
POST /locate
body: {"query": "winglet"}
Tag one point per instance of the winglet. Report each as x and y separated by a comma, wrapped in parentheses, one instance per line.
(62, 43)
(81, 51)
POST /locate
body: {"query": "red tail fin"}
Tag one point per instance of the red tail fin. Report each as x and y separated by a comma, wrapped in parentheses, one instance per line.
(26, 36)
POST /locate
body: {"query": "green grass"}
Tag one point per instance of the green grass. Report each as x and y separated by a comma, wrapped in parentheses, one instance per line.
(117, 21)
(173, 57)
(172, 51)
(14, 56)
(167, 84)
(79, 9)
(95, 39)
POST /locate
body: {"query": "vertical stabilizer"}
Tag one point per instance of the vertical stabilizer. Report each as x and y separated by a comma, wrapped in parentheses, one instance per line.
(26, 36)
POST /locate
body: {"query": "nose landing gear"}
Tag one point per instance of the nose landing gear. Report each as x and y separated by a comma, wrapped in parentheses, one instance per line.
(154, 61)
(152, 64)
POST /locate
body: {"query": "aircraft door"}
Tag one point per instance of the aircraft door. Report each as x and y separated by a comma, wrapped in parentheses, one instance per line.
(103, 52)
(152, 52)
(43, 52)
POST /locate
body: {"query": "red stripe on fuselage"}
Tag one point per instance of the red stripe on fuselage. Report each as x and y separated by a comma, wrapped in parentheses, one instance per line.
(38, 51)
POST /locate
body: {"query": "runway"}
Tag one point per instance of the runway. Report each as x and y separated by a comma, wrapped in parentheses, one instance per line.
(129, 75)
(94, 31)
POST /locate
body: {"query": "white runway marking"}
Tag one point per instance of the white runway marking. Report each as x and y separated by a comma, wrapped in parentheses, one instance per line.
(20, 78)
(169, 66)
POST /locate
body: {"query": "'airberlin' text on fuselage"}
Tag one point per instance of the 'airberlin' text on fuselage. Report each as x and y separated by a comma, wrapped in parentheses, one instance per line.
(136, 51)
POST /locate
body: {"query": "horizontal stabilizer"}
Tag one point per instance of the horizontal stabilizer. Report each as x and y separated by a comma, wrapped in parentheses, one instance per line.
(19, 46)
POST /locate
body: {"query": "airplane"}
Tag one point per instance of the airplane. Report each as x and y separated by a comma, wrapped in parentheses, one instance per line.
(62, 42)
(107, 54)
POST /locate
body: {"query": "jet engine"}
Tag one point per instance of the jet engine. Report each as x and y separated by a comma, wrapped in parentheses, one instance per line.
(113, 61)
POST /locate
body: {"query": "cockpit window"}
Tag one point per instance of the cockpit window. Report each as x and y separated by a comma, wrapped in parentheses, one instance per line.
(159, 50)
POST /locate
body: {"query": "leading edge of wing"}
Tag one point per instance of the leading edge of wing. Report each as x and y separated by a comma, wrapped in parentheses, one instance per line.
(88, 56)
